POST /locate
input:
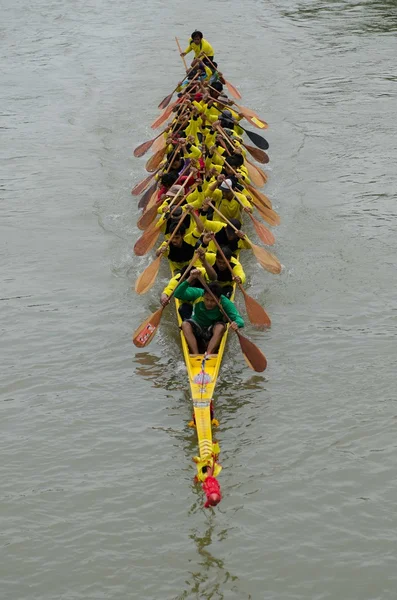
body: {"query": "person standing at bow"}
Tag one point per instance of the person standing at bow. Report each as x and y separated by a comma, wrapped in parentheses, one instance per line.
(199, 45)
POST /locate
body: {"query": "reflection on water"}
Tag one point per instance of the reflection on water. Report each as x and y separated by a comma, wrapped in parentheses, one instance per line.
(210, 580)
(372, 16)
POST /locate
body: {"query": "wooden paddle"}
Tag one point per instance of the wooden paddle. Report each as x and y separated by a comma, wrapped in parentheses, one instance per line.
(259, 196)
(232, 89)
(146, 279)
(147, 240)
(143, 148)
(254, 175)
(257, 169)
(263, 233)
(247, 113)
(258, 154)
(154, 161)
(256, 313)
(254, 357)
(143, 201)
(147, 330)
(266, 259)
(164, 115)
(149, 215)
(180, 54)
(142, 185)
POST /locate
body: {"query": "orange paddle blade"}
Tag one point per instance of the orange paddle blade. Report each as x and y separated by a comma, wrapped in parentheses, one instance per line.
(141, 186)
(254, 174)
(164, 103)
(143, 148)
(159, 144)
(255, 358)
(259, 196)
(146, 279)
(257, 169)
(148, 217)
(147, 195)
(154, 161)
(269, 215)
(233, 90)
(263, 232)
(163, 117)
(147, 330)
(266, 259)
(256, 313)
(147, 240)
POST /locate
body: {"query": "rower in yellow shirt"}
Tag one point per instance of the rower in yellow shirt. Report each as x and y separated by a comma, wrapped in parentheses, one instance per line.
(199, 45)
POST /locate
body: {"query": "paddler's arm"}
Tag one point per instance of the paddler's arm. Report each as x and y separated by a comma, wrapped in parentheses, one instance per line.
(204, 257)
(191, 210)
(185, 292)
(232, 311)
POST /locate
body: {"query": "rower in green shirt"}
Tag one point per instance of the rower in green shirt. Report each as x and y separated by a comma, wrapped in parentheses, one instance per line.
(206, 326)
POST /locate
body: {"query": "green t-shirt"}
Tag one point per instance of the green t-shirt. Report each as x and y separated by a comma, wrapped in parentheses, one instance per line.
(201, 315)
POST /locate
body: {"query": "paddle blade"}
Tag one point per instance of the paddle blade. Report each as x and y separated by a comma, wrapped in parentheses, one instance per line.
(256, 313)
(257, 139)
(256, 122)
(146, 279)
(254, 357)
(258, 154)
(257, 170)
(140, 187)
(147, 240)
(233, 90)
(163, 117)
(159, 144)
(147, 218)
(164, 103)
(147, 195)
(266, 259)
(154, 161)
(143, 148)
(147, 330)
(269, 215)
(254, 174)
(261, 198)
(263, 232)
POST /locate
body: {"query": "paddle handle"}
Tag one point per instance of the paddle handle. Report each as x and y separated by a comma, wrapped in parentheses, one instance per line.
(228, 222)
(222, 254)
(180, 53)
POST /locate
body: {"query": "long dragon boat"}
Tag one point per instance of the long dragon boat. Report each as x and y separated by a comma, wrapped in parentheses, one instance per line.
(203, 369)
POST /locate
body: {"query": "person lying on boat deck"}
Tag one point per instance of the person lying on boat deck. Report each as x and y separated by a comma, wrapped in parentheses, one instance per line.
(181, 248)
(206, 326)
(186, 308)
(217, 268)
(199, 45)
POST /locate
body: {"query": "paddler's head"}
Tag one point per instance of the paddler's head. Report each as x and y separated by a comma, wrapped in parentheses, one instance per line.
(173, 191)
(215, 89)
(230, 232)
(209, 301)
(168, 179)
(197, 36)
(226, 190)
(177, 240)
(220, 260)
